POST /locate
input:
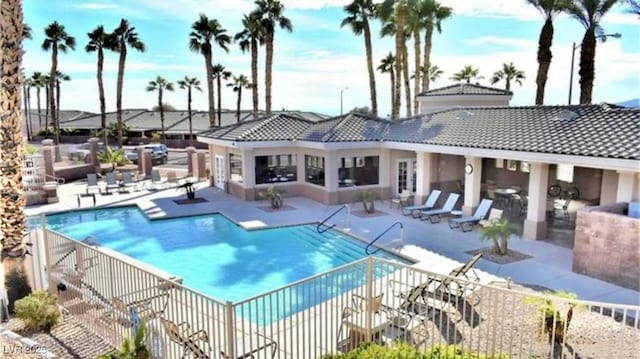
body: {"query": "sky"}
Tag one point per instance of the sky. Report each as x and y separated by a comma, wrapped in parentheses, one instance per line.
(320, 60)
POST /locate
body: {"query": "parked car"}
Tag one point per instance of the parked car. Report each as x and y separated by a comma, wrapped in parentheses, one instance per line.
(159, 153)
(82, 151)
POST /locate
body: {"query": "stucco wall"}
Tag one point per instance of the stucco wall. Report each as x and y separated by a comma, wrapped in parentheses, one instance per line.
(607, 245)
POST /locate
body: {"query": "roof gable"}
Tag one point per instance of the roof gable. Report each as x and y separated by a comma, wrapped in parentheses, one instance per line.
(466, 89)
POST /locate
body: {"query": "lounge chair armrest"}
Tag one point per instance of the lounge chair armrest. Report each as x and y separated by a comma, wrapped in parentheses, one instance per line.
(472, 276)
(199, 335)
(269, 343)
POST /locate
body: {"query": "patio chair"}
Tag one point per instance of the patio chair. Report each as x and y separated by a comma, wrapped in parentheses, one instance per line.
(263, 343)
(112, 183)
(429, 203)
(433, 215)
(494, 215)
(92, 182)
(478, 215)
(402, 199)
(156, 181)
(354, 317)
(192, 341)
(127, 180)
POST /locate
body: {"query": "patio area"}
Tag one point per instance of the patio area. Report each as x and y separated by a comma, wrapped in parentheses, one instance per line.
(435, 247)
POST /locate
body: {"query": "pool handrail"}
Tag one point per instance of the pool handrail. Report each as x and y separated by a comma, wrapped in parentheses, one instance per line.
(366, 250)
(318, 227)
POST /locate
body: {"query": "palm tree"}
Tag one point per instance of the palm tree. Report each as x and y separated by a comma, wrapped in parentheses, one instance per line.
(589, 13)
(435, 14)
(56, 39)
(386, 66)
(99, 40)
(508, 73)
(203, 32)
(249, 39)
(270, 14)
(238, 83)
(26, 92)
(60, 77)
(38, 81)
(467, 74)
(160, 84)
(125, 36)
(434, 73)
(394, 15)
(220, 73)
(12, 199)
(359, 12)
(27, 32)
(549, 9)
(634, 7)
(415, 14)
(189, 83)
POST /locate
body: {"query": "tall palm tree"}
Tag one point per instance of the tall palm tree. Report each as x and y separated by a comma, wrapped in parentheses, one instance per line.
(549, 9)
(508, 73)
(56, 39)
(238, 83)
(189, 84)
(203, 32)
(435, 15)
(160, 84)
(99, 40)
(26, 93)
(589, 13)
(12, 199)
(467, 74)
(220, 73)
(386, 66)
(38, 81)
(271, 15)
(47, 91)
(434, 73)
(60, 77)
(415, 13)
(249, 39)
(394, 15)
(358, 14)
(125, 36)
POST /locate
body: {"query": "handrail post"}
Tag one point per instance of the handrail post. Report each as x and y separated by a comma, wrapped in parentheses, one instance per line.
(229, 326)
(47, 250)
(369, 297)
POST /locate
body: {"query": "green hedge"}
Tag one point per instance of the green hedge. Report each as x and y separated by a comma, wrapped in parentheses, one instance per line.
(400, 350)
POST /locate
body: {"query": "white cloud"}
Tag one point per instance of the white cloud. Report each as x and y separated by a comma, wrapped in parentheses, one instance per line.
(314, 4)
(501, 41)
(97, 6)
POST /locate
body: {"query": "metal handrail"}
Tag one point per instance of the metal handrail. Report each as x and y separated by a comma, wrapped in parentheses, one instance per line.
(366, 250)
(328, 218)
(60, 180)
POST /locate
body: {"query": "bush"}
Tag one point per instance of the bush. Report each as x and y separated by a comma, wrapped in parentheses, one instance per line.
(407, 351)
(129, 350)
(456, 352)
(555, 325)
(17, 287)
(368, 199)
(39, 310)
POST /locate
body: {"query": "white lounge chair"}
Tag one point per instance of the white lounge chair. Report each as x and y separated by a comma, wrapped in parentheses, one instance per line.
(127, 180)
(478, 215)
(92, 182)
(112, 183)
(434, 215)
(429, 203)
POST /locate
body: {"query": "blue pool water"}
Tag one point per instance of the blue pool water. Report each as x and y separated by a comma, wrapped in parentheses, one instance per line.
(212, 254)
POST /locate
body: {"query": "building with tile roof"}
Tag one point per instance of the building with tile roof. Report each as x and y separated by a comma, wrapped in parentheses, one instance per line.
(462, 94)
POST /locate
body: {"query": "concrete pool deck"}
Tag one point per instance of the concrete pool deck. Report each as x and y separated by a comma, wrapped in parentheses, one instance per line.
(436, 247)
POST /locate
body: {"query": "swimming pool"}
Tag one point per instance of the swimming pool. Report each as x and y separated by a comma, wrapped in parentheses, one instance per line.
(213, 254)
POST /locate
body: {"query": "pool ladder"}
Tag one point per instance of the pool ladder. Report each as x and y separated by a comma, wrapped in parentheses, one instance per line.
(324, 222)
(366, 250)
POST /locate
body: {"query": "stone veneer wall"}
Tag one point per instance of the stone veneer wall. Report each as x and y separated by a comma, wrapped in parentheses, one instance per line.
(607, 245)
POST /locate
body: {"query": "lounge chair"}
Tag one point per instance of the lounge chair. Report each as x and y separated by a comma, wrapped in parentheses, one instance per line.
(478, 215)
(112, 183)
(429, 203)
(156, 181)
(92, 182)
(354, 318)
(127, 180)
(262, 343)
(494, 215)
(191, 340)
(433, 215)
(401, 200)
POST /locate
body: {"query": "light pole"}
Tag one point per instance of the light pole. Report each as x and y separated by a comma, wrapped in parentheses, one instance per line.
(341, 92)
(573, 57)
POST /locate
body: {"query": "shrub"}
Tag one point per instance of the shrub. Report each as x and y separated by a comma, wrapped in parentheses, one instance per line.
(555, 325)
(499, 233)
(274, 195)
(456, 352)
(17, 287)
(136, 350)
(368, 199)
(408, 351)
(39, 310)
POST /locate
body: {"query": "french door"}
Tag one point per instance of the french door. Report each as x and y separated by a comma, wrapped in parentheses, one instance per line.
(406, 175)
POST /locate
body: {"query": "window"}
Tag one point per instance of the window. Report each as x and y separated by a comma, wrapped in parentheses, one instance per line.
(276, 168)
(358, 171)
(512, 165)
(235, 167)
(525, 167)
(314, 169)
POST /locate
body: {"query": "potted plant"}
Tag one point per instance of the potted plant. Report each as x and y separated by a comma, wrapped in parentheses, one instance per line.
(498, 232)
(189, 189)
(368, 199)
(274, 195)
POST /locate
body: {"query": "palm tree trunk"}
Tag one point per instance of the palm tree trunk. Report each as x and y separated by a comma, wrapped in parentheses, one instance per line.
(507, 85)
(58, 110)
(587, 66)
(208, 58)
(544, 59)
(29, 111)
(12, 200)
(418, 73)
(400, 16)
(121, 62)
(238, 105)
(46, 112)
(52, 85)
(191, 142)
(161, 108)
(372, 79)
(39, 108)
(103, 106)
(407, 81)
(428, 35)
(25, 105)
(393, 84)
(267, 77)
(254, 76)
(219, 100)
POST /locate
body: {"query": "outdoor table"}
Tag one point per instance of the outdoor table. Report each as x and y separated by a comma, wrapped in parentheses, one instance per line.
(505, 195)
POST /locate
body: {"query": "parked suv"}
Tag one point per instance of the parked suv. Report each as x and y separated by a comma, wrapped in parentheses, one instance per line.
(159, 153)
(82, 151)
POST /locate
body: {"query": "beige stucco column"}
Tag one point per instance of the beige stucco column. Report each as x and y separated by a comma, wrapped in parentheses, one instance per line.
(608, 187)
(535, 226)
(191, 160)
(626, 185)
(248, 169)
(425, 167)
(47, 156)
(93, 151)
(472, 184)
(140, 152)
(331, 176)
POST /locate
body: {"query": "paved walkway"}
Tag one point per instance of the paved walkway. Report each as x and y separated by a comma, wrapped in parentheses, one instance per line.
(436, 247)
